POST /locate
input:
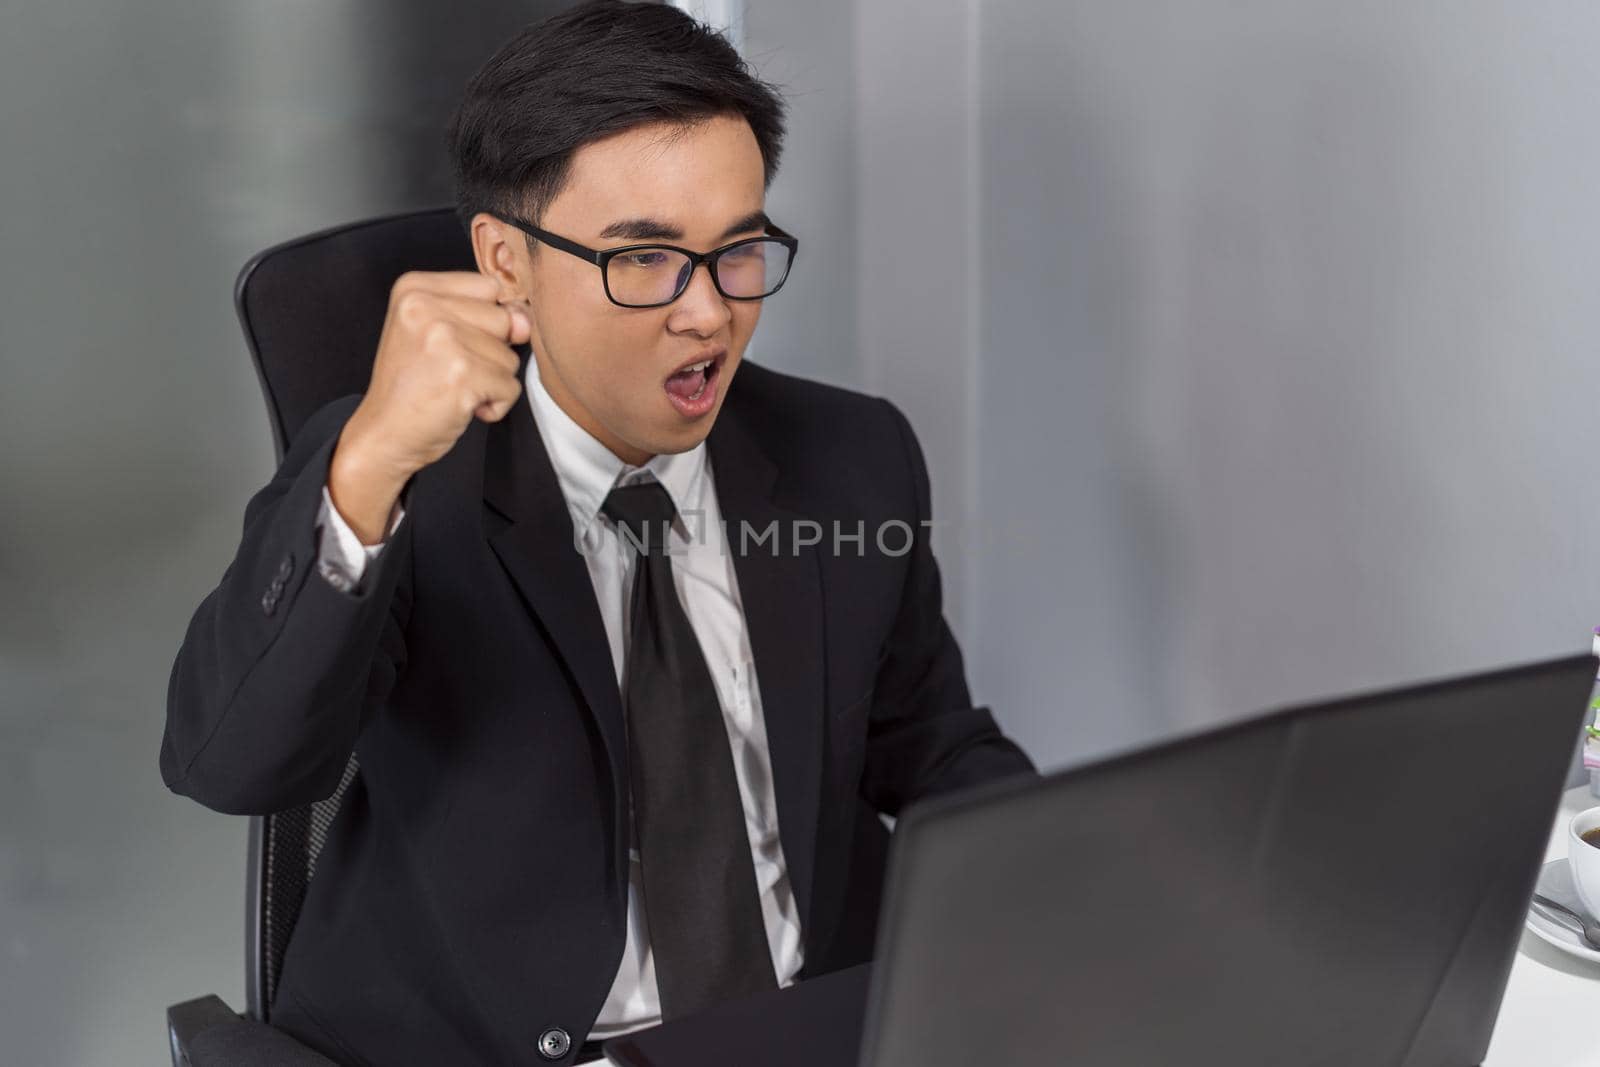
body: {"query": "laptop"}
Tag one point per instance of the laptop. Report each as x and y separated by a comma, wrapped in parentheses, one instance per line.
(1328, 884)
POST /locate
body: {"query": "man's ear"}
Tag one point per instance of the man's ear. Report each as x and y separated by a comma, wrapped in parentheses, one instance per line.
(501, 254)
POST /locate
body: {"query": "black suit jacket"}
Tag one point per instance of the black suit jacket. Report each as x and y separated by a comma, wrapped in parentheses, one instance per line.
(472, 893)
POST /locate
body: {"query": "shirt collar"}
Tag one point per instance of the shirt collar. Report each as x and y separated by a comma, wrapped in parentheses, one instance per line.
(587, 470)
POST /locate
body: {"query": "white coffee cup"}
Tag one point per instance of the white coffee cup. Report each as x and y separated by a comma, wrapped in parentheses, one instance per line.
(1584, 859)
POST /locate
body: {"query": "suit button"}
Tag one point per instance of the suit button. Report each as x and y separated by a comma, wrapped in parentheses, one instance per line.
(269, 601)
(285, 569)
(554, 1043)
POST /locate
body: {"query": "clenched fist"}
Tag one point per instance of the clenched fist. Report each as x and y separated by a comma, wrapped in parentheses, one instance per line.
(444, 358)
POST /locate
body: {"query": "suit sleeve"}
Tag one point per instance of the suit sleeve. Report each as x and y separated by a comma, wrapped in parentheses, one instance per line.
(924, 737)
(341, 557)
(279, 670)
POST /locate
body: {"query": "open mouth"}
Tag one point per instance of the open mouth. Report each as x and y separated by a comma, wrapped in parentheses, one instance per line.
(690, 383)
(692, 389)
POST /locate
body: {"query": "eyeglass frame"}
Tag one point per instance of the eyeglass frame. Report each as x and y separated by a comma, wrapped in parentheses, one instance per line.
(601, 257)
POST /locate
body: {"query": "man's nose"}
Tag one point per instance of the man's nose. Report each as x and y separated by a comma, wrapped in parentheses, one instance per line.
(700, 299)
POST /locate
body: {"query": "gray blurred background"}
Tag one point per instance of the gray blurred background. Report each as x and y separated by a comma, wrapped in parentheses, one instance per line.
(1252, 346)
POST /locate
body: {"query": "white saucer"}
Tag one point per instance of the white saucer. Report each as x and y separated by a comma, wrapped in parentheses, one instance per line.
(1555, 882)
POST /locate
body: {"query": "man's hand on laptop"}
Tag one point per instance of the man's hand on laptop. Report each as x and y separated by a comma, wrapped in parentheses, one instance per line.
(445, 357)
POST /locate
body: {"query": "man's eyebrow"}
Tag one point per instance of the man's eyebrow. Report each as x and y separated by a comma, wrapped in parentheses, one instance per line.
(648, 229)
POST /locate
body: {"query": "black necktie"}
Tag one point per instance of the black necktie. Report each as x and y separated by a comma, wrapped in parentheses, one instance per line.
(700, 896)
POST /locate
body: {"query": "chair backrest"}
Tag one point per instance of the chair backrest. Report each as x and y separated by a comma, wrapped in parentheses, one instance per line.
(312, 310)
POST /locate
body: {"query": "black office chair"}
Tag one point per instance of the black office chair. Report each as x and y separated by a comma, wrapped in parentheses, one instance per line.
(312, 311)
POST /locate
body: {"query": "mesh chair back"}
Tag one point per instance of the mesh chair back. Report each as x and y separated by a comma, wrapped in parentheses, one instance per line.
(312, 310)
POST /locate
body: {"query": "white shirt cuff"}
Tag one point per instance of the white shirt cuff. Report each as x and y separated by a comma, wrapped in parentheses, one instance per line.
(341, 557)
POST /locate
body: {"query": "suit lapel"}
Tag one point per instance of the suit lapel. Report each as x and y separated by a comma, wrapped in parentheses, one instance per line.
(780, 587)
(782, 596)
(534, 542)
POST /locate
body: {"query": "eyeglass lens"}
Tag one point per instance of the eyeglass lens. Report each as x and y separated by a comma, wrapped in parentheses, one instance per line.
(654, 275)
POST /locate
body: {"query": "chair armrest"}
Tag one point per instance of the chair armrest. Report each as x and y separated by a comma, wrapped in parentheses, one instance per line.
(185, 1022)
(205, 1032)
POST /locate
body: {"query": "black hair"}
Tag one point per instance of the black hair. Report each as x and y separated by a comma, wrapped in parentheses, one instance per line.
(595, 69)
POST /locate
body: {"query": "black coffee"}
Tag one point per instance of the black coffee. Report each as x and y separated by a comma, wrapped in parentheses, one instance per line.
(1592, 836)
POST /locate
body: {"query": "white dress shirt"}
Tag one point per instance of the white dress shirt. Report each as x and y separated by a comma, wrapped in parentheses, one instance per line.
(707, 586)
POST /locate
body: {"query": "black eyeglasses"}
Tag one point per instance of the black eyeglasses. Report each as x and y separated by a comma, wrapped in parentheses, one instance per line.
(648, 276)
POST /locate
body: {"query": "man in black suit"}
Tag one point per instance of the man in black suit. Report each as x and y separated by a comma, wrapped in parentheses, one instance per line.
(631, 658)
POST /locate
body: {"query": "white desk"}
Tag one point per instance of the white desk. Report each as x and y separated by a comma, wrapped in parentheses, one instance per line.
(1549, 993)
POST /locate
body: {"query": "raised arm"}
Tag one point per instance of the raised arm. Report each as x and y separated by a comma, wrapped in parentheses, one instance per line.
(279, 667)
(285, 660)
